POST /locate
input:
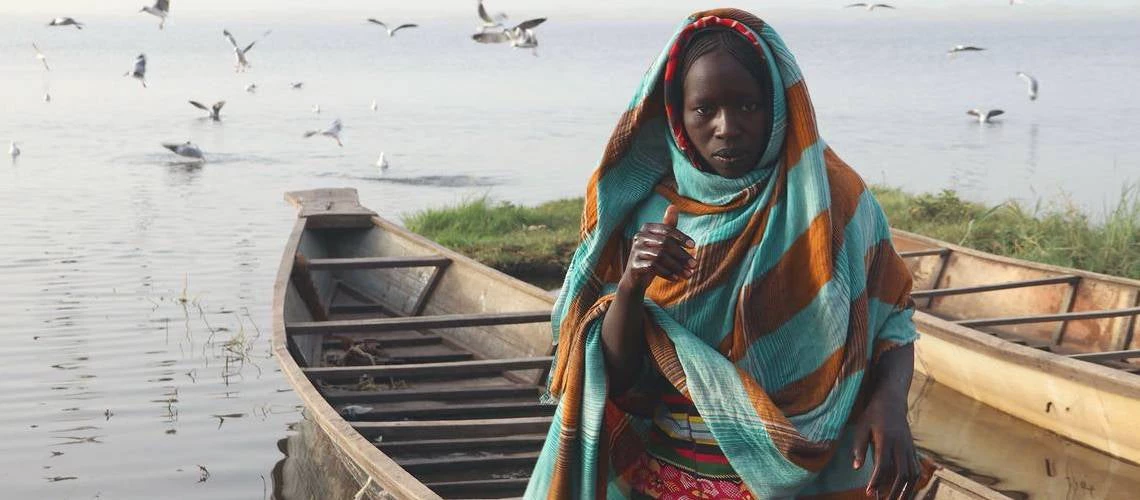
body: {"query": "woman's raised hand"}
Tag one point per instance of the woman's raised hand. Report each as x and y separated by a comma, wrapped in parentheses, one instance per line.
(659, 249)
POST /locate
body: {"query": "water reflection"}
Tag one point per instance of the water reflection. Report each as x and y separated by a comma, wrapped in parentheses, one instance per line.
(1009, 455)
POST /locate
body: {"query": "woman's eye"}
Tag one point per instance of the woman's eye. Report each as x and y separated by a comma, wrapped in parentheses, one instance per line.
(751, 107)
(702, 110)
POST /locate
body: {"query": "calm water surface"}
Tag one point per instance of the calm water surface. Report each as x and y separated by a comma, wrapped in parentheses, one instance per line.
(136, 288)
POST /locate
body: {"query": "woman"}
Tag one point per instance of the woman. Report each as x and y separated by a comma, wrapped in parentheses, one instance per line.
(735, 323)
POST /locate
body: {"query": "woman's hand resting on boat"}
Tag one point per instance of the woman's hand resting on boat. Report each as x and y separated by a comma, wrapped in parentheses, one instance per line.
(884, 426)
(659, 249)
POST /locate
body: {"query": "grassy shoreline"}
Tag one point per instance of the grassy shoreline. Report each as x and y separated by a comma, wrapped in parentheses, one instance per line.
(535, 243)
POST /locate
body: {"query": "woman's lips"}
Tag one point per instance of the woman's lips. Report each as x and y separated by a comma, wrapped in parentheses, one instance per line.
(729, 155)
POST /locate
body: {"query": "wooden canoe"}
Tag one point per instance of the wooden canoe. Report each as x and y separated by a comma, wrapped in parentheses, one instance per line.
(419, 368)
(1049, 345)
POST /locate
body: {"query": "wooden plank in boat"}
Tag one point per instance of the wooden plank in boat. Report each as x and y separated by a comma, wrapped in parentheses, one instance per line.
(1094, 357)
(525, 442)
(416, 323)
(452, 369)
(331, 208)
(392, 339)
(443, 411)
(467, 463)
(480, 488)
(924, 253)
(436, 394)
(378, 262)
(939, 292)
(1046, 318)
(443, 429)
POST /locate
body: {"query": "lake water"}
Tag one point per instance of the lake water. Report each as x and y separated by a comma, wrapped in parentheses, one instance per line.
(136, 288)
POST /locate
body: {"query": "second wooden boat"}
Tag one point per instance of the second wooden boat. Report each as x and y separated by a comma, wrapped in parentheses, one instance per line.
(1049, 345)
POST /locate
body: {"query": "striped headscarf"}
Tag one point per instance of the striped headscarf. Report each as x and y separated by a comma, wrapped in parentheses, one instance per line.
(797, 291)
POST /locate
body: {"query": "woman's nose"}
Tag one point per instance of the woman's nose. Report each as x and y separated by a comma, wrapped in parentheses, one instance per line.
(726, 125)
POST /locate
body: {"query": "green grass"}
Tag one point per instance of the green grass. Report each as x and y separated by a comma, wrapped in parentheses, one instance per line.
(1053, 233)
(1056, 233)
(533, 243)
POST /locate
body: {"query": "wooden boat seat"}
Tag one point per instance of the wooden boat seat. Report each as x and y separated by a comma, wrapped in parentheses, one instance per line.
(354, 263)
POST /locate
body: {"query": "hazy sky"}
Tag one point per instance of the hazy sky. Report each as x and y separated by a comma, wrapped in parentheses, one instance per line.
(574, 9)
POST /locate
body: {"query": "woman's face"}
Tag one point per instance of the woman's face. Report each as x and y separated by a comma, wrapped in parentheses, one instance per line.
(726, 114)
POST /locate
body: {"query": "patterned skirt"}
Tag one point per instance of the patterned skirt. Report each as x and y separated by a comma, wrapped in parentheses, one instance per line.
(682, 460)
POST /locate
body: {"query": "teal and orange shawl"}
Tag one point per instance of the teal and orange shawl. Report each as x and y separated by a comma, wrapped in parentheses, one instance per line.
(796, 292)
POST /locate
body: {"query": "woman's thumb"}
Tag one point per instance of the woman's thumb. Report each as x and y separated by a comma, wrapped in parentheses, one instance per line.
(670, 218)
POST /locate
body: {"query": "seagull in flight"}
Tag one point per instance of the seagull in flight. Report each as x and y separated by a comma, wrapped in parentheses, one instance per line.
(374, 105)
(187, 149)
(296, 85)
(316, 108)
(521, 36)
(392, 31)
(66, 21)
(241, 63)
(14, 150)
(215, 110)
(139, 70)
(251, 88)
(333, 131)
(160, 9)
(41, 57)
(490, 22)
(870, 6)
(1031, 82)
(985, 115)
(964, 48)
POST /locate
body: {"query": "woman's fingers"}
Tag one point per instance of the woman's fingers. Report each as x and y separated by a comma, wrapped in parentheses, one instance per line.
(859, 449)
(662, 263)
(901, 473)
(883, 467)
(671, 215)
(668, 231)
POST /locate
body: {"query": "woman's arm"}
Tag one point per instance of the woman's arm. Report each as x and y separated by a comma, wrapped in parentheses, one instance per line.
(884, 424)
(657, 250)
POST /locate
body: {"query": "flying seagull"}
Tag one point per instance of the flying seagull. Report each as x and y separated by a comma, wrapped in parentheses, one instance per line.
(66, 21)
(13, 149)
(47, 97)
(241, 63)
(333, 131)
(870, 6)
(139, 71)
(374, 105)
(297, 85)
(964, 48)
(187, 149)
(215, 110)
(316, 108)
(489, 21)
(382, 163)
(521, 36)
(41, 57)
(1032, 82)
(251, 88)
(160, 9)
(985, 115)
(392, 31)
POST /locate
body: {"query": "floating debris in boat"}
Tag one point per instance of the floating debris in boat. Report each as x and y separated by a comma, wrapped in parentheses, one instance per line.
(353, 411)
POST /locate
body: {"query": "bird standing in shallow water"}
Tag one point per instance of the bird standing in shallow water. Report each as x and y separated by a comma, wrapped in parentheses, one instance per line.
(160, 9)
(382, 163)
(1032, 84)
(187, 149)
(139, 70)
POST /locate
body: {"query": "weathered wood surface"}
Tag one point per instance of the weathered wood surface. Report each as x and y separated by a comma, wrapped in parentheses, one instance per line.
(443, 429)
(353, 263)
(331, 208)
(453, 369)
(417, 323)
(461, 393)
